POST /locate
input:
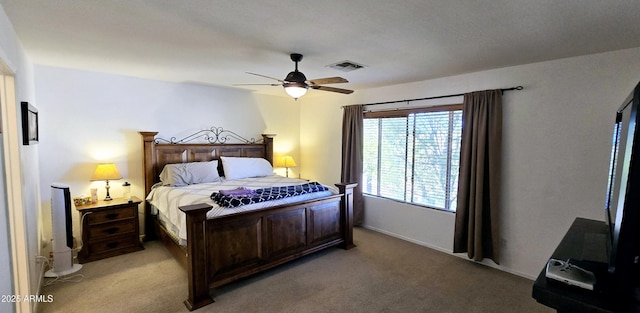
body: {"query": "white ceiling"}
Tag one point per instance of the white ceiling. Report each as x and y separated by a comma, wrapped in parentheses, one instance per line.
(216, 42)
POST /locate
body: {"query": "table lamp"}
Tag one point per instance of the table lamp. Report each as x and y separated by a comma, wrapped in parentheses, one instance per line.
(106, 172)
(286, 162)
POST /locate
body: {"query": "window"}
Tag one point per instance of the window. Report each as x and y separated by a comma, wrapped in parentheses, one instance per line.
(413, 155)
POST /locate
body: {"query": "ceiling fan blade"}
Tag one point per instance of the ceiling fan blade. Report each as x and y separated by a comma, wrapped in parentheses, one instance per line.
(265, 76)
(332, 89)
(256, 85)
(328, 80)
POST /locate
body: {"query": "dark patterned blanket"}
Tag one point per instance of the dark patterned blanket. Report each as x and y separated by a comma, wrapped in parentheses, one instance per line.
(265, 194)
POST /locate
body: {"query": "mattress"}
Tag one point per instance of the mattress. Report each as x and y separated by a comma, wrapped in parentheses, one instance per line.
(167, 200)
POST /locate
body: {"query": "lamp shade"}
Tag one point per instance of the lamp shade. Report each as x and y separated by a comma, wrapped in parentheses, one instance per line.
(285, 161)
(106, 171)
(295, 90)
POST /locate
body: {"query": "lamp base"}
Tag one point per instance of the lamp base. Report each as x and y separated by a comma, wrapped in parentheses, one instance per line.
(108, 197)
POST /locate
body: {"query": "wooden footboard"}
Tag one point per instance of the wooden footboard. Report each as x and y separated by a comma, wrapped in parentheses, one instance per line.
(226, 249)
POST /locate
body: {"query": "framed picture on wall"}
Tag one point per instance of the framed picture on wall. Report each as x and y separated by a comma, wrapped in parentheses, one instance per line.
(29, 124)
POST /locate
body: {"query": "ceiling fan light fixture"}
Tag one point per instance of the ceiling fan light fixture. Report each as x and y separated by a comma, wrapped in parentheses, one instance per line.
(296, 84)
(295, 89)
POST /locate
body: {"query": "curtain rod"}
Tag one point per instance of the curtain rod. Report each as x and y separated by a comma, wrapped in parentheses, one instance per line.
(439, 97)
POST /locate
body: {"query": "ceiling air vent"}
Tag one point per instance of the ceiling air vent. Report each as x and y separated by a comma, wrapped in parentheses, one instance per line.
(346, 66)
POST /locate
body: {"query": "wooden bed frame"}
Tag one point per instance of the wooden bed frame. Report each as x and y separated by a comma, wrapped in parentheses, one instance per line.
(225, 249)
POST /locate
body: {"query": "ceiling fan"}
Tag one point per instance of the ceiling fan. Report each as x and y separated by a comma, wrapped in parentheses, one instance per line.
(296, 84)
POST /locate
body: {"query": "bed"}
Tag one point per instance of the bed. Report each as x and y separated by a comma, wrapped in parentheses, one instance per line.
(222, 248)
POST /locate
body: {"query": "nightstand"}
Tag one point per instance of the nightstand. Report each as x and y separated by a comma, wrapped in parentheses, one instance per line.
(109, 228)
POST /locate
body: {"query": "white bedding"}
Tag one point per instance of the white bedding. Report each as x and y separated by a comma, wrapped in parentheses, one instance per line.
(167, 199)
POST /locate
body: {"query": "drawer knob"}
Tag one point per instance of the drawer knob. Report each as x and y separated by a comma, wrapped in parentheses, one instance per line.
(112, 245)
(112, 215)
(112, 230)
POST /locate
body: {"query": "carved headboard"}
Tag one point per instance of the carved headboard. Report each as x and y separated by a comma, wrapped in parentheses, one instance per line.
(159, 152)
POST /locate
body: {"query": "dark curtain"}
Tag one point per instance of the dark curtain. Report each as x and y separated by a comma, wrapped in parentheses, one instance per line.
(352, 156)
(477, 223)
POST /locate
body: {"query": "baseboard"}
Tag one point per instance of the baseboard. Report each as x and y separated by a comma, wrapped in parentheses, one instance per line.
(41, 269)
(418, 242)
(450, 252)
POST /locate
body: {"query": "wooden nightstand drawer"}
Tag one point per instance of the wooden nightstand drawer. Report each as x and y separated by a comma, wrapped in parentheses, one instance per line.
(111, 215)
(114, 243)
(111, 229)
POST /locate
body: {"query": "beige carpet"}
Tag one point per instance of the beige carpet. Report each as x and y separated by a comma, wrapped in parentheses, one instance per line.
(382, 274)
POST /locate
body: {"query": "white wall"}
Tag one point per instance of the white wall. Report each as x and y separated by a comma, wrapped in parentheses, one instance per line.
(15, 64)
(557, 136)
(87, 118)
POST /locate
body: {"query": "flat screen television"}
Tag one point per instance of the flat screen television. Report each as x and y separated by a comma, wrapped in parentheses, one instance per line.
(623, 197)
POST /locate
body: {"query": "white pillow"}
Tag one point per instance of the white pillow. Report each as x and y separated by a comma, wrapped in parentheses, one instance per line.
(182, 174)
(236, 168)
